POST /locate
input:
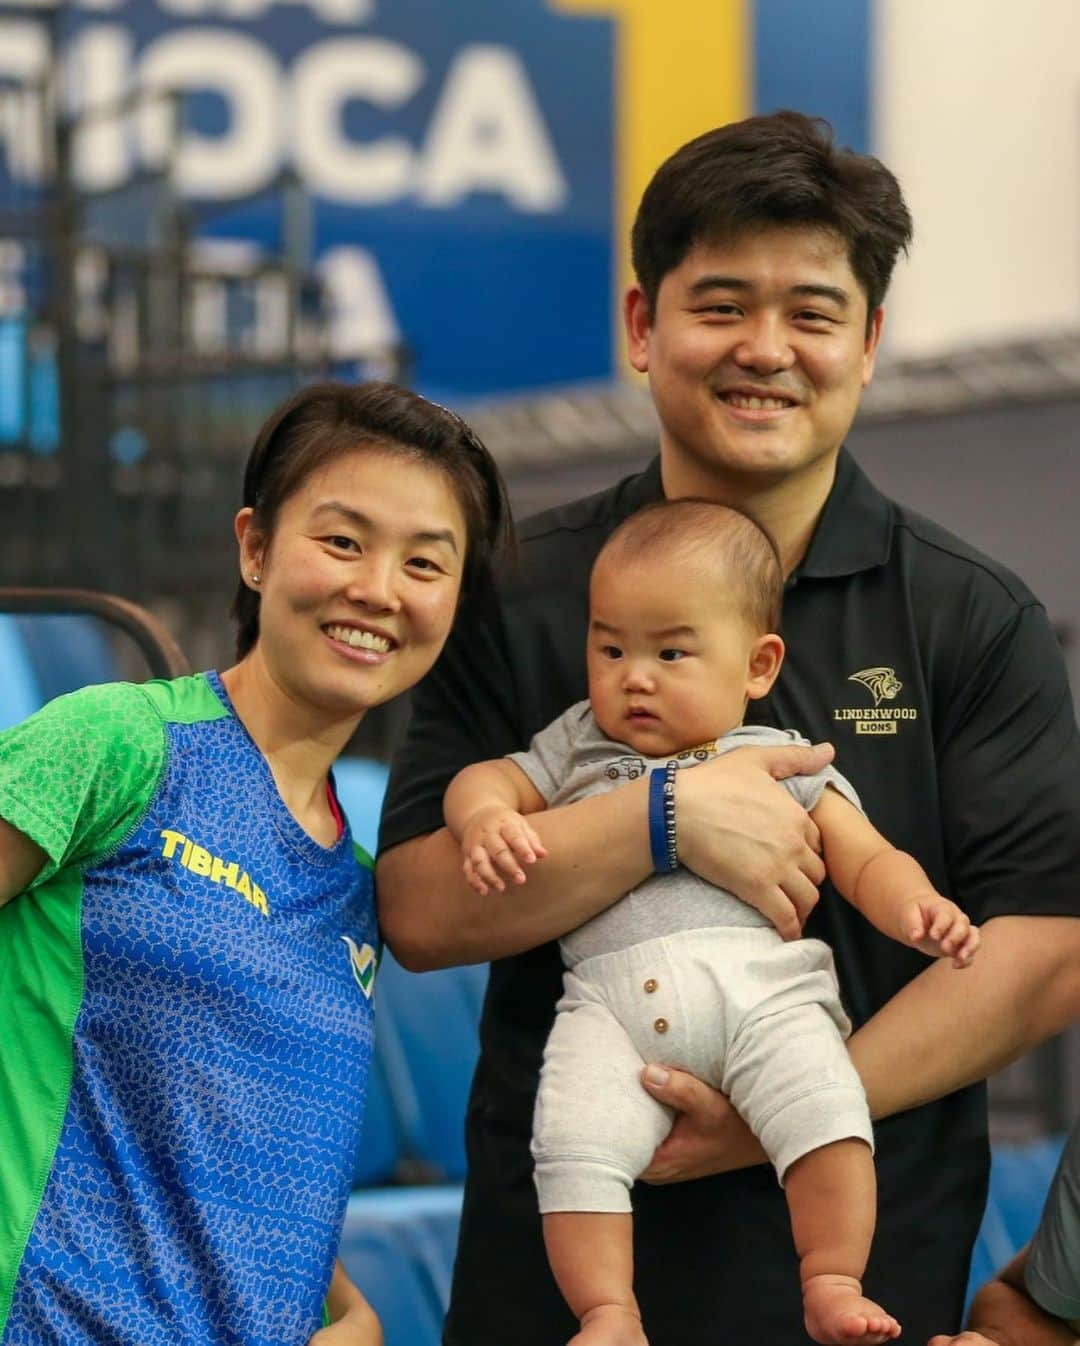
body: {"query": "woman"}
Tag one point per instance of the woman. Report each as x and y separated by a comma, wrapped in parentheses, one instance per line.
(187, 933)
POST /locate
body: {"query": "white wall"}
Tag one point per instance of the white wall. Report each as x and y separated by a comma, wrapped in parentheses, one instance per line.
(977, 111)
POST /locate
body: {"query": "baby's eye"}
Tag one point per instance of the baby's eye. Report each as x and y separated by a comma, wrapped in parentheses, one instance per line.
(671, 656)
(611, 651)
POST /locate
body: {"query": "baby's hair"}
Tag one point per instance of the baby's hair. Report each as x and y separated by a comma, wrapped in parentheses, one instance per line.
(725, 541)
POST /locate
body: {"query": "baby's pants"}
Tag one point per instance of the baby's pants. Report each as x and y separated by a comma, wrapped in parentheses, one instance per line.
(754, 1017)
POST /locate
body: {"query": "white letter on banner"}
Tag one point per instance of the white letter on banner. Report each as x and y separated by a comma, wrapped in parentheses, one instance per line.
(487, 135)
(328, 11)
(325, 78)
(362, 320)
(100, 57)
(24, 54)
(246, 157)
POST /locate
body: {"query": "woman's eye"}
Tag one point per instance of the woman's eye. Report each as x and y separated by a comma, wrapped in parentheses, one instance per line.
(424, 563)
(672, 656)
(343, 543)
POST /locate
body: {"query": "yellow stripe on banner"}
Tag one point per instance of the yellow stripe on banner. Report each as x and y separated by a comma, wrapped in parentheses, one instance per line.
(682, 66)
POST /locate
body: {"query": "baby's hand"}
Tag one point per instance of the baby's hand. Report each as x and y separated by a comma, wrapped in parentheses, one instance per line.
(934, 925)
(498, 841)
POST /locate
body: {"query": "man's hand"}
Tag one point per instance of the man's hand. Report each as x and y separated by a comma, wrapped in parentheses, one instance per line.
(708, 1135)
(498, 842)
(738, 831)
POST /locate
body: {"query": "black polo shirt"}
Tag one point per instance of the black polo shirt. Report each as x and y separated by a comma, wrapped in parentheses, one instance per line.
(936, 674)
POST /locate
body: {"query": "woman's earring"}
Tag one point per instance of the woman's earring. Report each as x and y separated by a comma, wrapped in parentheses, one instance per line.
(255, 579)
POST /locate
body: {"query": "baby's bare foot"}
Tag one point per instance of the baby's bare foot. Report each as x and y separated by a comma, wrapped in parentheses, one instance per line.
(610, 1325)
(838, 1315)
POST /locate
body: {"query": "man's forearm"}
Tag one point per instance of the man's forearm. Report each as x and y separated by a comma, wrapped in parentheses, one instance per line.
(598, 849)
(949, 1028)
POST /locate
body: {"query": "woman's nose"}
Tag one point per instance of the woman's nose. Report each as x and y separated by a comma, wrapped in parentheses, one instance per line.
(372, 585)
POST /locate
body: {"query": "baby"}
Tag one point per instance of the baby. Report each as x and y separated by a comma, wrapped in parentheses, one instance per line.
(684, 604)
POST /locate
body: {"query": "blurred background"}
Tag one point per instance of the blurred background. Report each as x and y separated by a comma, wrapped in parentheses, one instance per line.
(204, 203)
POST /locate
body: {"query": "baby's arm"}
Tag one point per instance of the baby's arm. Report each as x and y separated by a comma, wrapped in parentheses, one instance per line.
(888, 886)
(483, 808)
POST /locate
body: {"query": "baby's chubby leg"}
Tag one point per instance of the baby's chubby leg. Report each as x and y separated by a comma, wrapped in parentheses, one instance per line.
(592, 1257)
(831, 1194)
(594, 1132)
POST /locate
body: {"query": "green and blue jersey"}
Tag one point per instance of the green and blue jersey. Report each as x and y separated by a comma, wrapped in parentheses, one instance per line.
(185, 990)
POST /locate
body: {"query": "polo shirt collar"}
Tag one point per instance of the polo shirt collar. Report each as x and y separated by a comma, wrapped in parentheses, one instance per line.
(854, 532)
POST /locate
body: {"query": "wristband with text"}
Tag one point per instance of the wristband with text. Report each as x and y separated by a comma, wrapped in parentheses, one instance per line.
(662, 839)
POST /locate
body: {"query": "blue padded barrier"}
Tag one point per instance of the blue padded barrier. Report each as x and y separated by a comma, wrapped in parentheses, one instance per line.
(66, 652)
(20, 694)
(422, 1222)
(427, 1035)
(379, 1258)
(380, 1145)
(1019, 1179)
(360, 786)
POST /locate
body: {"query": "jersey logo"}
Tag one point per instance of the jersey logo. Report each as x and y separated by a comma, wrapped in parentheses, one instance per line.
(181, 849)
(881, 683)
(362, 960)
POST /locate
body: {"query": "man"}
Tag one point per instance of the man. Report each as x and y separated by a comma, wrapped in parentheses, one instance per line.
(1035, 1300)
(763, 255)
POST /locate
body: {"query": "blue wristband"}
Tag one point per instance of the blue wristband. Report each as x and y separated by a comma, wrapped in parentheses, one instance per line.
(662, 842)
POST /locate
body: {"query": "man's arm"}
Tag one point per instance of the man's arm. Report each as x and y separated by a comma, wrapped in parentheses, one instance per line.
(1004, 1314)
(1023, 988)
(736, 829)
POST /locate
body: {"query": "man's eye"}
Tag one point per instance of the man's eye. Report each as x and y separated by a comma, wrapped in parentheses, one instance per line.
(671, 656)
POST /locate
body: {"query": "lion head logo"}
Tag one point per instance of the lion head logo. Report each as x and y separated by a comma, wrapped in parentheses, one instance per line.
(881, 683)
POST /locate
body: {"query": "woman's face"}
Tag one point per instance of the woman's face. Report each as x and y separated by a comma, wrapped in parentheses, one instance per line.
(359, 580)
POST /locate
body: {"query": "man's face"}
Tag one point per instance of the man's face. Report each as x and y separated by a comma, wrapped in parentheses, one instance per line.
(757, 354)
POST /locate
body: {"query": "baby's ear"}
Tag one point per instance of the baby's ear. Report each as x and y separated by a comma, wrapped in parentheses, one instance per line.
(766, 656)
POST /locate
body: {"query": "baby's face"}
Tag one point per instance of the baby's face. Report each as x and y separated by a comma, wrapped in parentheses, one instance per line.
(670, 661)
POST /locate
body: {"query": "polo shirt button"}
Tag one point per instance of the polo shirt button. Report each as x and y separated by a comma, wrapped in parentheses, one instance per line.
(651, 985)
(661, 1025)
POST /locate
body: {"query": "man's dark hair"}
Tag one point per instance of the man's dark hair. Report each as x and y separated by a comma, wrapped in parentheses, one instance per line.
(777, 170)
(726, 542)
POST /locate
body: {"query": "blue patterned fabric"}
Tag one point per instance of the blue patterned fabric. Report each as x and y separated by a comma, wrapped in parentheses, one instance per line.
(220, 1054)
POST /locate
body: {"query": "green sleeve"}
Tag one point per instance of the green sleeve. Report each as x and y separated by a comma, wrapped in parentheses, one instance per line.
(77, 775)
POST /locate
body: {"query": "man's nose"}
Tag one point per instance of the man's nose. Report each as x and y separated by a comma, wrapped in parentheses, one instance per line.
(764, 344)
